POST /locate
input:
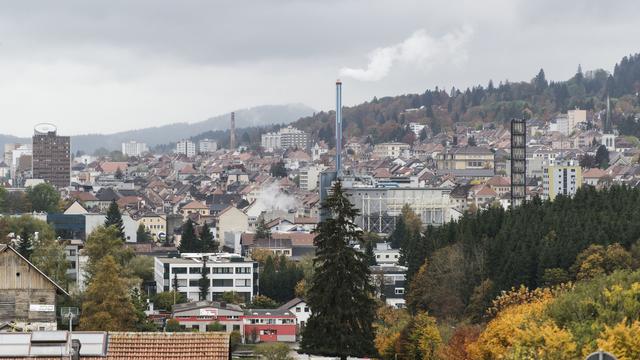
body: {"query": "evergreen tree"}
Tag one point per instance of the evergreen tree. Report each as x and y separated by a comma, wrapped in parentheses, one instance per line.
(189, 241)
(399, 234)
(25, 248)
(602, 157)
(341, 294)
(114, 218)
(267, 278)
(142, 235)
(107, 304)
(207, 243)
(204, 281)
(262, 231)
(368, 252)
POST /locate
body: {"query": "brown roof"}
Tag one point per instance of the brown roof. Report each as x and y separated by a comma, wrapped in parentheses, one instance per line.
(594, 173)
(112, 166)
(83, 196)
(297, 238)
(195, 205)
(499, 181)
(160, 346)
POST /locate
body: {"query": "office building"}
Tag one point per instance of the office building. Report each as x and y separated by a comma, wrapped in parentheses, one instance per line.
(134, 148)
(51, 156)
(227, 272)
(186, 147)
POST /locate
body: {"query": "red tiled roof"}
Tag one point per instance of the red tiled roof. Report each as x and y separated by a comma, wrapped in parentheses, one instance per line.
(195, 205)
(160, 346)
(111, 166)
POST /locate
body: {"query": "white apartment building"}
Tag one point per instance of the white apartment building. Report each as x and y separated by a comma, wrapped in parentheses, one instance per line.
(227, 272)
(270, 141)
(207, 146)
(416, 127)
(310, 177)
(186, 147)
(134, 148)
(291, 137)
(288, 137)
(391, 150)
(561, 125)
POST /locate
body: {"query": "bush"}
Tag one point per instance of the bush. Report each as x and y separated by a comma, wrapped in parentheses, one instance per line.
(172, 326)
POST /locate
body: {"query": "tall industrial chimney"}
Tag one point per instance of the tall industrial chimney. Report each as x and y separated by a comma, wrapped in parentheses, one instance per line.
(232, 132)
(338, 128)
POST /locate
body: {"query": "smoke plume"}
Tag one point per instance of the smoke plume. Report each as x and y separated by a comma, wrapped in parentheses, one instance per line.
(420, 49)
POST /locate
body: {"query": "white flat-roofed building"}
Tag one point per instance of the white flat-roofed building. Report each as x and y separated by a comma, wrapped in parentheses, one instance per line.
(186, 147)
(134, 148)
(227, 272)
(206, 146)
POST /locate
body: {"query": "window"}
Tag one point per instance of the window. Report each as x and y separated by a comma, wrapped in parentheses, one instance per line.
(298, 309)
(243, 270)
(223, 282)
(223, 270)
(236, 327)
(243, 282)
(179, 270)
(195, 270)
(72, 252)
(399, 291)
(194, 282)
(306, 309)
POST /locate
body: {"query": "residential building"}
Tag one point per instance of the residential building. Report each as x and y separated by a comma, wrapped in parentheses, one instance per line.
(416, 128)
(285, 138)
(390, 150)
(194, 207)
(390, 280)
(186, 147)
(466, 158)
(27, 295)
(310, 177)
(51, 156)
(384, 254)
(575, 117)
(227, 272)
(271, 141)
(230, 221)
(134, 148)
(300, 309)
(206, 146)
(269, 325)
(561, 125)
(195, 316)
(155, 224)
(291, 137)
(561, 179)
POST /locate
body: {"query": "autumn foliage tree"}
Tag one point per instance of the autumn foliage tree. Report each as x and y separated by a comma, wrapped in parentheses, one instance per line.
(107, 304)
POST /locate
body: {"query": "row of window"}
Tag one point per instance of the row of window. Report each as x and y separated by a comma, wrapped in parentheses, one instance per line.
(272, 321)
(216, 282)
(213, 270)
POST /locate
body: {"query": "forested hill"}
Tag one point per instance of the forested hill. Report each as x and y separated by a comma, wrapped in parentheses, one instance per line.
(385, 119)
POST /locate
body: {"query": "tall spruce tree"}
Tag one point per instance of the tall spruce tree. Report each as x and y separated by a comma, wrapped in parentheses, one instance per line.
(341, 294)
(204, 281)
(114, 218)
(207, 243)
(25, 247)
(189, 241)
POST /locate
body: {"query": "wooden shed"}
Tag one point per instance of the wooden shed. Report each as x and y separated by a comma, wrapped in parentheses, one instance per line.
(27, 295)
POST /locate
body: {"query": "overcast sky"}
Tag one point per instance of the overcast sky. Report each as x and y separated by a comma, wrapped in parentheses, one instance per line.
(107, 66)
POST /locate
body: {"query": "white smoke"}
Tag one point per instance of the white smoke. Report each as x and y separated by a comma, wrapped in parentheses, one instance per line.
(272, 198)
(419, 49)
